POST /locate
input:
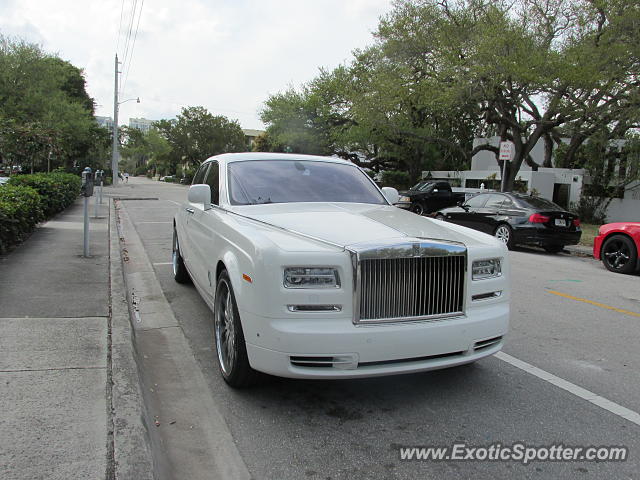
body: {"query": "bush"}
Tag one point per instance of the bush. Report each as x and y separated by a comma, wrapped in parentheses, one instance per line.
(58, 190)
(591, 209)
(20, 211)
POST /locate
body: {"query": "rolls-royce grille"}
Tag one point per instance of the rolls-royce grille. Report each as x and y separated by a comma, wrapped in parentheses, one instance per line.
(405, 288)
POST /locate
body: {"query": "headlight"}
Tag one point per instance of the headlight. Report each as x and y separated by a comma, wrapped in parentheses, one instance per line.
(404, 199)
(489, 268)
(311, 277)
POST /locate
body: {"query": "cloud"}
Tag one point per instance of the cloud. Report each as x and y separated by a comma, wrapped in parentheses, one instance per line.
(225, 56)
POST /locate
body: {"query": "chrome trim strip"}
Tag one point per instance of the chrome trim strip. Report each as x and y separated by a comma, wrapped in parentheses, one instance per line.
(314, 308)
(486, 296)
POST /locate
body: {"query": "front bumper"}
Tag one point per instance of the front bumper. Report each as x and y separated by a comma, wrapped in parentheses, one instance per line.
(597, 246)
(329, 348)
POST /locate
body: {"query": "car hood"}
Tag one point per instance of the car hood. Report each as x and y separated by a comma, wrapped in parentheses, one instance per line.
(350, 224)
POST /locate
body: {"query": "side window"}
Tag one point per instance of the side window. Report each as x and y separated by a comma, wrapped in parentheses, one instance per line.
(494, 201)
(199, 176)
(508, 203)
(477, 201)
(213, 180)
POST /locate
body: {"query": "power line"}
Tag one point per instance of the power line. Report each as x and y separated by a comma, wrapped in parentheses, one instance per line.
(133, 45)
(128, 40)
(120, 26)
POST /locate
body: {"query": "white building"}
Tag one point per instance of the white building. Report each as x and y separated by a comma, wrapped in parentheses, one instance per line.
(106, 122)
(142, 124)
(561, 185)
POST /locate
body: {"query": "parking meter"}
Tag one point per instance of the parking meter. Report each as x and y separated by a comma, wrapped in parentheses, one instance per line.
(87, 183)
(98, 179)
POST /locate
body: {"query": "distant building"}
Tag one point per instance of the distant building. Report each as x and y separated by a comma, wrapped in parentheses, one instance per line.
(106, 122)
(251, 135)
(142, 124)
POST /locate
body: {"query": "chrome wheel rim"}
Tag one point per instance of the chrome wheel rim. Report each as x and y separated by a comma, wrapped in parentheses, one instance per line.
(617, 254)
(502, 234)
(174, 254)
(418, 210)
(225, 328)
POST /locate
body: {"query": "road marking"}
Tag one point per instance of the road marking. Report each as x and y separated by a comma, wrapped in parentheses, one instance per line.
(162, 263)
(138, 223)
(173, 202)
(597, 304)
(616, 409)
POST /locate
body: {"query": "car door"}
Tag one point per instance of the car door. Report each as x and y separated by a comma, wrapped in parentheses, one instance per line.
(440, 197)
(202, 230)
(186, 214)
(488, 216)
(466, 214)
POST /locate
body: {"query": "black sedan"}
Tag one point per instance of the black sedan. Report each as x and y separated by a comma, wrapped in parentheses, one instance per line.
(517, 219)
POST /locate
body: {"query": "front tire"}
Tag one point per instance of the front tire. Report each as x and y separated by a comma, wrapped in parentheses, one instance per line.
(504, 233)
(417, 208)
(619, 254)
(231, 348)
(180, 273)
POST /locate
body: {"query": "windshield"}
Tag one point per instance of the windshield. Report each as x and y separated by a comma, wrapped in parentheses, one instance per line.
(422, 186)
(285, 181)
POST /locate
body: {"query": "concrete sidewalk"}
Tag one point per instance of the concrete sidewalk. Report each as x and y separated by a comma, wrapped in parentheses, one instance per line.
(69, 390)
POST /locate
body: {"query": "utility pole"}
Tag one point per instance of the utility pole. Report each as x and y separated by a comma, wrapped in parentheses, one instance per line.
(114, 153)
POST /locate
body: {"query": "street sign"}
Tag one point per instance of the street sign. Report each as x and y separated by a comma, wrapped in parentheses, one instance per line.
(507, 151)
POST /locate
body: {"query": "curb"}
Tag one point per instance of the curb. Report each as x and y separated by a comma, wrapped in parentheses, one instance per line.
(188, 436)
(130, 444)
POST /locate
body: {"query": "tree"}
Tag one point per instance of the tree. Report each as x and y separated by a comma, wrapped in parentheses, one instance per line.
(528, 69)
(197, 135)
(44, 103)
(613, 168)
(443, 72)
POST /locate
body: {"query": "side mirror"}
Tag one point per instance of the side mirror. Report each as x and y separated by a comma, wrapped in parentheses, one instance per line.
(200, 193)
(391, 194)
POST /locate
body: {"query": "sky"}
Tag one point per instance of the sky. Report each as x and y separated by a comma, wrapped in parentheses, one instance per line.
(227, 56)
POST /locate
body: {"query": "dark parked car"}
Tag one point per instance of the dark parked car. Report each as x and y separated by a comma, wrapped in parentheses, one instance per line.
(429, 196)
(517, 219)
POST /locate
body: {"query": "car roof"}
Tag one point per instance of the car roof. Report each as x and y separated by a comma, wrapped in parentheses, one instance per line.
(249, 156)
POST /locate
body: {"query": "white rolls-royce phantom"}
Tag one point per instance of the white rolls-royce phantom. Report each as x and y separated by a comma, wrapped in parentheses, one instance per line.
(311, 272)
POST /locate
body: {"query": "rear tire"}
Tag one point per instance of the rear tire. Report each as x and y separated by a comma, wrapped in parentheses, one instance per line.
(180, 273)
(553, 248)
(504, 233)
(231, 348)
(619, 254)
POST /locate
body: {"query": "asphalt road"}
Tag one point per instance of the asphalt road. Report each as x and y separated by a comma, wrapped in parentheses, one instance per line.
(570, 318)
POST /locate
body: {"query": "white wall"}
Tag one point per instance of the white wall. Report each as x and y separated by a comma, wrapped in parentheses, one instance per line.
(625, 209)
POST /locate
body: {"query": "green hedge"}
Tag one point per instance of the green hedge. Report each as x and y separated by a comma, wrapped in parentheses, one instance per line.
(58, 190)
(20, 211)
(28, 199)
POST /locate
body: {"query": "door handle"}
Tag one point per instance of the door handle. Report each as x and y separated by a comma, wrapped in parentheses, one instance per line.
(190, 210)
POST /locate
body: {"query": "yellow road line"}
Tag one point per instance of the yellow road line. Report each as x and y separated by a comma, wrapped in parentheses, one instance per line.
(597, 304)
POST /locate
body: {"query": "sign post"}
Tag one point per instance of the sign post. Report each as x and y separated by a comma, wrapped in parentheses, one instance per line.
(507, 152)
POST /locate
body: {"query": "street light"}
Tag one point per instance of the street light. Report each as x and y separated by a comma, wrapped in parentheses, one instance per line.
(115, 144)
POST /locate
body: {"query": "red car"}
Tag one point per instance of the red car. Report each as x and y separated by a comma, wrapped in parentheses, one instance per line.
(617, 245)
